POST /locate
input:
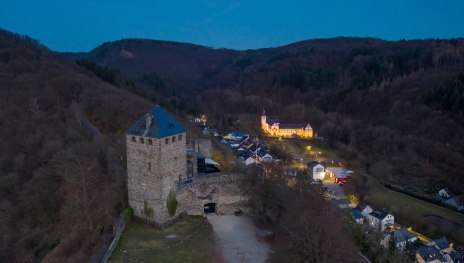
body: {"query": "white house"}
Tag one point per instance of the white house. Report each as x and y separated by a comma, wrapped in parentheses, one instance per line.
(401, 236)
(316, 170)
(445, 193)
(381, 219)
(250, 160)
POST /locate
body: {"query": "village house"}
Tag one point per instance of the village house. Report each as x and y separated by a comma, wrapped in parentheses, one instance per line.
(444, 193)
(429, 254)
(342, 203)
(401, 236)
(442, 244)
(364, 208)
(273, 127)
(249, 161)
(358, 217)
(316, 170)
(338, 174)
(457, 256)
(457, 202)
(381, 219)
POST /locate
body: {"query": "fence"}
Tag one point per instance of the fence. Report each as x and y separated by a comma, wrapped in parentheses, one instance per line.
(118, 229)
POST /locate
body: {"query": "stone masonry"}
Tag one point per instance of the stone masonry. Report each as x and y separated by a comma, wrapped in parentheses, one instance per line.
(154, 165)
(157, 162)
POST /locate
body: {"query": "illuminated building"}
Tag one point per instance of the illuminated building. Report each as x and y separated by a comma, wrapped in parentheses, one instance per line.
(273, 127)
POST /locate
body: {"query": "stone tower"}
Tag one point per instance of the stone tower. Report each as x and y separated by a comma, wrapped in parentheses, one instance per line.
(156, 160)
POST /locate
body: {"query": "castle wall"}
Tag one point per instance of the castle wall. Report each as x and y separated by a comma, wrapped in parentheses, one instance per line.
(228, 196)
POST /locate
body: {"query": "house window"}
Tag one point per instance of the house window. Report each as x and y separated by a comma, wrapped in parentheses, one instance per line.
(166, 141)
(141, 141)
(173, 138)
(180, 137)
(150, 142)
(149, 166)
(133, 139)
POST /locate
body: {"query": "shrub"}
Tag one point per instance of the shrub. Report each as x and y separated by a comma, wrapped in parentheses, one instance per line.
(171, 204)
(147, 211)
(128, 214)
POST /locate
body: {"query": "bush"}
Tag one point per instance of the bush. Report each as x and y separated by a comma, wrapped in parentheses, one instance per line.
(147, 211)
(171, 204)
(128, 214)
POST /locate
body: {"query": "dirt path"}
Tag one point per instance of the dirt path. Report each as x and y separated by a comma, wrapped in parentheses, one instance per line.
(239, 239)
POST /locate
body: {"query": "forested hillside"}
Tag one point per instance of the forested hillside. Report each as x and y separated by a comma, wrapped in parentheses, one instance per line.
(393, 109)
(62, 155)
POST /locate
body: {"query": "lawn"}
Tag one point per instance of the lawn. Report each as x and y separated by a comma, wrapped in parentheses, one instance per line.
(425, 217)
(189, 240)
(298, 149)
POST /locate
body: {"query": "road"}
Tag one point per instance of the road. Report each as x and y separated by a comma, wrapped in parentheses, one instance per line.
(239, 240)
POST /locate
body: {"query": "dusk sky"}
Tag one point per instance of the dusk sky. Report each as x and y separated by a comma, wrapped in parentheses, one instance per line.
(81, 25)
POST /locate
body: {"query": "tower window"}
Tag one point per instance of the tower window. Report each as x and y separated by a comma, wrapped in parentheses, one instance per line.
(142, 141)
(180, 137)
(149, 166)
(173, 138)
(150, 142)
(166, 141)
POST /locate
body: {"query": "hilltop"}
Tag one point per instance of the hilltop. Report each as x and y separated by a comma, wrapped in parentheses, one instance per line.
(391, 108)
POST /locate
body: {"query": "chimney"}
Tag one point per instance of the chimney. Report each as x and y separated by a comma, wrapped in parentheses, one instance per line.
(147, 121)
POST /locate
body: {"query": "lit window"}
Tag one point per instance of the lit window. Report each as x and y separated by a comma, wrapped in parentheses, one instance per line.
(166, 141)
(141, 140)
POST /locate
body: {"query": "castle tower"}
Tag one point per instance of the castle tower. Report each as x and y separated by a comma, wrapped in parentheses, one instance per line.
(263, 120)
(156, 160)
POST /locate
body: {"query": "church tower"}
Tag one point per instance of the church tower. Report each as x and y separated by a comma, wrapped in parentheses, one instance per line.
(156, 160)
(263, 120)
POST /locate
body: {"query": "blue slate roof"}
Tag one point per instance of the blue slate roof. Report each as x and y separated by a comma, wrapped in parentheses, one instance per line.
(271, 121)
(430, 253)
(403, 235)
(442, 243)
(356, 214)
(162, 125)
(380, 213)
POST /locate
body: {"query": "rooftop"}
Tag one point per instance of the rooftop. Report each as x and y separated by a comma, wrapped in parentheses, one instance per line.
(380, 213)
(339, 172)
(430, 253)
(356, 213)
(442, 243)
(161, 125)
(271, 121)
(402, 235)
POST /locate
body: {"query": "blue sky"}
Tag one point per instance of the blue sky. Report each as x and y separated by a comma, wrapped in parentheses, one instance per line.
(80, 25)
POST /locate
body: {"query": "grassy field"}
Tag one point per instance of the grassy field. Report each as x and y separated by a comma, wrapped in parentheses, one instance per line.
(189, 240)
(427, 218)
(299, 149)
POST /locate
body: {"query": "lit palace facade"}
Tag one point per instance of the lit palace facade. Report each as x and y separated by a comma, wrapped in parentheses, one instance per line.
(273, 127)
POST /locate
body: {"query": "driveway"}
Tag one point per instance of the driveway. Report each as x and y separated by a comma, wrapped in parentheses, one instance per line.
(335, 190)
(239, 240)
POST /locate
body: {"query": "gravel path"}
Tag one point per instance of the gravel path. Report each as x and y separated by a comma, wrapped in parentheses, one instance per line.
(239, 239)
